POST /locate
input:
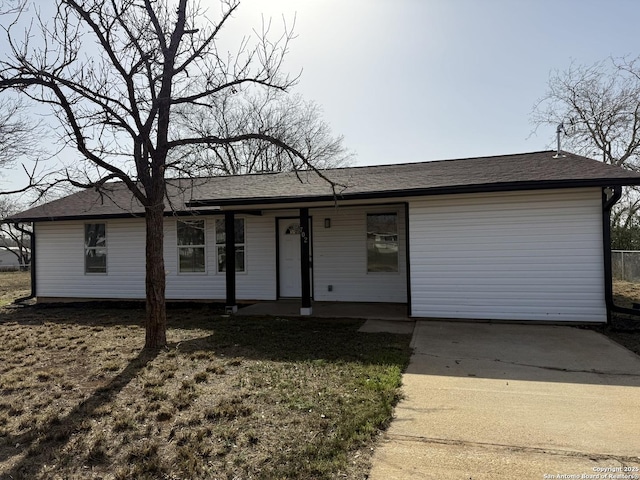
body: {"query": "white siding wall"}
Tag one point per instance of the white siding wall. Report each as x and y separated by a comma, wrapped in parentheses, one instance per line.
(60, 262)
(260, 282)
(340, 257)
(520, 256)
(257, 283)
(515, 256)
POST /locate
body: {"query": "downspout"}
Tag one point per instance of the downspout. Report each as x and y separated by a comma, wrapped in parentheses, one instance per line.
(32, 263)
(607, 203)
(407, 256)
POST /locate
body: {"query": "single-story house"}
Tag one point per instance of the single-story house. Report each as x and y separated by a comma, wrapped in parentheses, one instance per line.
(516, 237)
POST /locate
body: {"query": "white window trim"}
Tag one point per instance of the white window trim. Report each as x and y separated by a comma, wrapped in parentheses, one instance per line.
(204, 246)
(366, 247)
(216, 245)
(85, 248)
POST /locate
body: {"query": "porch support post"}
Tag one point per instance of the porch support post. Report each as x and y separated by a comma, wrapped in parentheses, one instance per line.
(230, 262)
(305, 308)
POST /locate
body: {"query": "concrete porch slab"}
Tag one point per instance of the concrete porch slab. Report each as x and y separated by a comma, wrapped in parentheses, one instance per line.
(369, 311)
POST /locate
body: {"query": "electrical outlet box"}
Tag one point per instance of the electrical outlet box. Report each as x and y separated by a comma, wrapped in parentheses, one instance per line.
(330, 288)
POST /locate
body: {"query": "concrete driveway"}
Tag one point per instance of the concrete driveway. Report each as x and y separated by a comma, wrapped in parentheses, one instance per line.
(498, 401)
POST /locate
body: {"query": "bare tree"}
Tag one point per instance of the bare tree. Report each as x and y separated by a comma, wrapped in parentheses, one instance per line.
(14, 238)
(289, 117)
(14, 132)
(18, 138)
(127, 81)
(599, 106)
(18, 134)
(10, 6)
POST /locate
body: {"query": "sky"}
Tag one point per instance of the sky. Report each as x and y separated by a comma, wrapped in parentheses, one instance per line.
(419, 80)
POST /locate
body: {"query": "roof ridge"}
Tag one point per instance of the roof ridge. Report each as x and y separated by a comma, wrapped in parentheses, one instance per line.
(422, 162)
(354, 167)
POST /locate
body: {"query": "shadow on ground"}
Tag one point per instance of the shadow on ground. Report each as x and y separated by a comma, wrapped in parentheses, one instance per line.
(106, 313)
(43, 444)
(295, 339)
(268, 338)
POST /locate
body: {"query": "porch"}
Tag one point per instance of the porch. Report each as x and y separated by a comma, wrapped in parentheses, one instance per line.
(334, 255)
(381, 317)
(291, 308)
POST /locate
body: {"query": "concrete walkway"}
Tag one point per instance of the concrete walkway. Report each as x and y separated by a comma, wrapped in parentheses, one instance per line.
(498, 401)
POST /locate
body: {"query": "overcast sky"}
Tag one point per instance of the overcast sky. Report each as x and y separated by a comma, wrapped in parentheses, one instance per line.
(416, 80)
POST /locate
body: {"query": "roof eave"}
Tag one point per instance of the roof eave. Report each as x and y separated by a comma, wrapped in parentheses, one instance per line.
(104, 216)
(456, 189)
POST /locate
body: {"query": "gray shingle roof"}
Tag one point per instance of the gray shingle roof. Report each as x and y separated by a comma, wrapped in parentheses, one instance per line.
(508, 172)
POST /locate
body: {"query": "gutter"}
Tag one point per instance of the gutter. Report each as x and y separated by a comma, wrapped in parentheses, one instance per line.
(32, 263)
(607, 203)
(513, 186)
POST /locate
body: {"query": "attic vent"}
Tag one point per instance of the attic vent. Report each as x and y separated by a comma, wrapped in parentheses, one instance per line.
(559, 130)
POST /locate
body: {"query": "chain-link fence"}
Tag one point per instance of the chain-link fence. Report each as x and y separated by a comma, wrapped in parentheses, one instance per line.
(625, 265)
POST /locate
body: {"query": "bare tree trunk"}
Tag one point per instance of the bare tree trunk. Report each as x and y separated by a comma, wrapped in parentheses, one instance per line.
(156, 320)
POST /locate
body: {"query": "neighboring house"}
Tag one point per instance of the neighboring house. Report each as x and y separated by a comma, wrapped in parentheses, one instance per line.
(516, 237)
(8, 259)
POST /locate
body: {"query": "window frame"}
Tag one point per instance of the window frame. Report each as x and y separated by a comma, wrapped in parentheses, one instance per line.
(203, 246)
(217, 245)
(94, 248)
(398, 269)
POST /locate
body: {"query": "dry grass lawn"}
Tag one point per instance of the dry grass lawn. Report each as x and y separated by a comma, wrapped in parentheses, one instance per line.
(230, 398)
(625, 294)
(14, 285)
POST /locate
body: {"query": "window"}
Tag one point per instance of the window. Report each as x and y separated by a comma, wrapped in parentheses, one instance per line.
(95, 248)
(382, 242)
(221, 251)
(191, 251)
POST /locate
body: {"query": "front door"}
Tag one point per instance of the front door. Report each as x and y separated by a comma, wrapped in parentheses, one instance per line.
(289, 254)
